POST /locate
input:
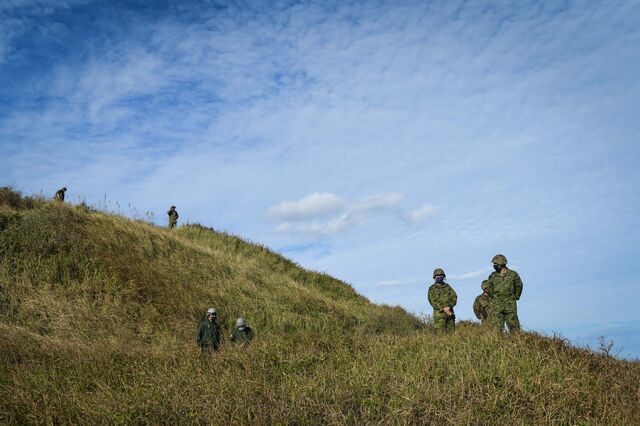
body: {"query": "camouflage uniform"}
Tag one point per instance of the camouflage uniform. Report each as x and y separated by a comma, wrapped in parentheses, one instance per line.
(242, 335)
(60, 194)
(173, 217)
(208, 335)
(441, 295)
(482, 304)
(505, 289)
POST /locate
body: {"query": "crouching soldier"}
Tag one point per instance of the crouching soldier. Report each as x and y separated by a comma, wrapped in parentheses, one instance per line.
(59, 195)
(442, 298)
(482, 304)
(242, 333)
(208, 333)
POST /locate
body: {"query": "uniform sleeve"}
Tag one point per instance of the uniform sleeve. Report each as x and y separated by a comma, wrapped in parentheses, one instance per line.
(490, 284)
(453, 297)
(177, 215)
(430, 297)
(477, 309)
(199, 333)
(217, 339)
(517, 286)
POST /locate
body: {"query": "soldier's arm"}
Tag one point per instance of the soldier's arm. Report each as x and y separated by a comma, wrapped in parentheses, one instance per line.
(490, 284)
(199, 333)
(453, 298)
(476, 308)
(518, 286)
(430, 298)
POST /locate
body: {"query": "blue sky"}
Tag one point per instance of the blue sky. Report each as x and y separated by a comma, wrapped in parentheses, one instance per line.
(372, 140)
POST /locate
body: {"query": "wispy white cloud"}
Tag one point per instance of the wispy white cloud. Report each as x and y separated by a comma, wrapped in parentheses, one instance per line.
(322, 229)
(309, 207)
(421, 213)
(377, 202)
(302, 216)
(470, 275)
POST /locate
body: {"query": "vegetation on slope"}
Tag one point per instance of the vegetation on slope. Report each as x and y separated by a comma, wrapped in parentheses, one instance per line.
(98, 316)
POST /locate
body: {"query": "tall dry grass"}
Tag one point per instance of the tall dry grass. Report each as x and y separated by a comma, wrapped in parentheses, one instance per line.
(98, 315)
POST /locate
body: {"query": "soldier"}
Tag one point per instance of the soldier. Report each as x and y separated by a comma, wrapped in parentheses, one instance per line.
(208, 333)
(505, 288)
(60, 194)
(482, 304)
(173, 217)
(242, 333)
(442, 298)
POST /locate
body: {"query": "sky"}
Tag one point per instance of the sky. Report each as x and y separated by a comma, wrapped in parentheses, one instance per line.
(372, 140)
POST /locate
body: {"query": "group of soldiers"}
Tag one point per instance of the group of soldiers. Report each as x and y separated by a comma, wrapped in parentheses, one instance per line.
(495, 307)
(208, 334)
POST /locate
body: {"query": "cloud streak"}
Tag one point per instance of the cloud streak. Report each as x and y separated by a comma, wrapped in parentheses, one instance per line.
(303, 217)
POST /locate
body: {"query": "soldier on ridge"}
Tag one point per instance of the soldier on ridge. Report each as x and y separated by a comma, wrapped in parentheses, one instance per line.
(442, 298)
(173, 217)
(505, 288)
(482, 304)
(59, 196)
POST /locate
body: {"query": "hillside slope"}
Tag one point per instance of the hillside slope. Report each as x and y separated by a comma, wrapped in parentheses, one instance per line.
(98, 316)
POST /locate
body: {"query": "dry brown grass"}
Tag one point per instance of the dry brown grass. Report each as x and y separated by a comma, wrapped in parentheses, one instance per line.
(98, 314)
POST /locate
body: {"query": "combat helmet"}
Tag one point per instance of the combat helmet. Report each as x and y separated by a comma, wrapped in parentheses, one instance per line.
(499, 259)
(438, 271)
(241, 322)
(211, 311)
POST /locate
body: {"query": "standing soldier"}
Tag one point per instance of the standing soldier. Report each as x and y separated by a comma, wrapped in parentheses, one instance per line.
(505, 288)
(208, 333)
(60, 194)
(482, 304)
(242, 333)
(442, 298)
(173, 217)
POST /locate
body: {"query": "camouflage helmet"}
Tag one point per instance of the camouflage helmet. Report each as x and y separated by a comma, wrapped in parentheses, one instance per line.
(438, 271)
(484, 285)
(499, 259)
(241, 322)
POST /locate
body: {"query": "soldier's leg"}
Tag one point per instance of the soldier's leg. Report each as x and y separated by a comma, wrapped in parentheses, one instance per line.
(451, 324)
(498, 320)
(513, 323)
(439, 323)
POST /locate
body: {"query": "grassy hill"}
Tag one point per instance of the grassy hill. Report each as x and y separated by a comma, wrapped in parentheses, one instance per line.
(98, 317)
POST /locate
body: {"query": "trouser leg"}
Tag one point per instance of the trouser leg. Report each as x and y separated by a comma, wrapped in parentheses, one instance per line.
(450, 324)
(498, 320)
(513, 323)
